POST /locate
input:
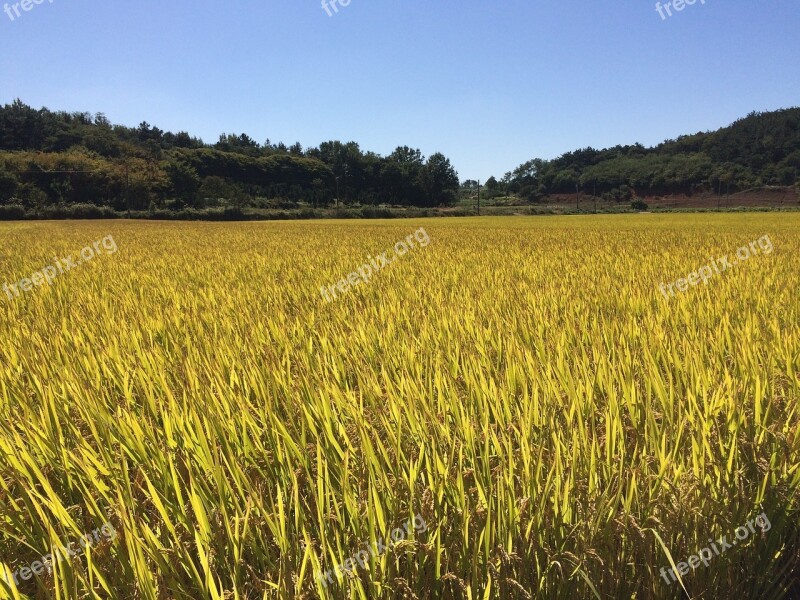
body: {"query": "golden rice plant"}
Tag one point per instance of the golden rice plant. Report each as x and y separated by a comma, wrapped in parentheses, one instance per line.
(564, 430)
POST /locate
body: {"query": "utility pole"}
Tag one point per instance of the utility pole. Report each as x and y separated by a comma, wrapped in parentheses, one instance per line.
(479, 197)
(577, 198)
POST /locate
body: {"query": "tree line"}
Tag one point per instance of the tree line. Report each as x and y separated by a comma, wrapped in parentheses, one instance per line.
(762, 149)
(52, 158)
(63, 160)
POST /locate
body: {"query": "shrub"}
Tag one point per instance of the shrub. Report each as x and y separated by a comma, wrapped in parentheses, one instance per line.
(369, 212)
(12, 212)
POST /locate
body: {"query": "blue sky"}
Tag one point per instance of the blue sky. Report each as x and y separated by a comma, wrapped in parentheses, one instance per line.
(489, 84)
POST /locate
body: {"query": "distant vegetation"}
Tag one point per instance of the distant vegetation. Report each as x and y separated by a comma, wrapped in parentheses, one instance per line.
(760, 150)
(76, 165)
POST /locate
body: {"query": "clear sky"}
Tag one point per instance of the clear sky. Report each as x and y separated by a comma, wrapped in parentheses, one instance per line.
(490, 84)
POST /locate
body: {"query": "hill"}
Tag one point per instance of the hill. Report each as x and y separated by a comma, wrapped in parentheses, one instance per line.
(758, 151)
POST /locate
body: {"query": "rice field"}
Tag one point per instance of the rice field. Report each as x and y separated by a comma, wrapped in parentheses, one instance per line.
(520, 386)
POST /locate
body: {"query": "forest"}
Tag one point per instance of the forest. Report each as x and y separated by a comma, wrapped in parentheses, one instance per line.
(61, 164)
(71, 164)
(760, 150)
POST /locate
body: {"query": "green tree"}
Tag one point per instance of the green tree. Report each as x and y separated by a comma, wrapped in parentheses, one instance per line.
(440, 180)
(215, 189)
(184, 182)
(491, 184)
(8, 185)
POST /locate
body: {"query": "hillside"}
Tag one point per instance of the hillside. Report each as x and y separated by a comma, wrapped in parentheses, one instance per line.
(760, 150)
